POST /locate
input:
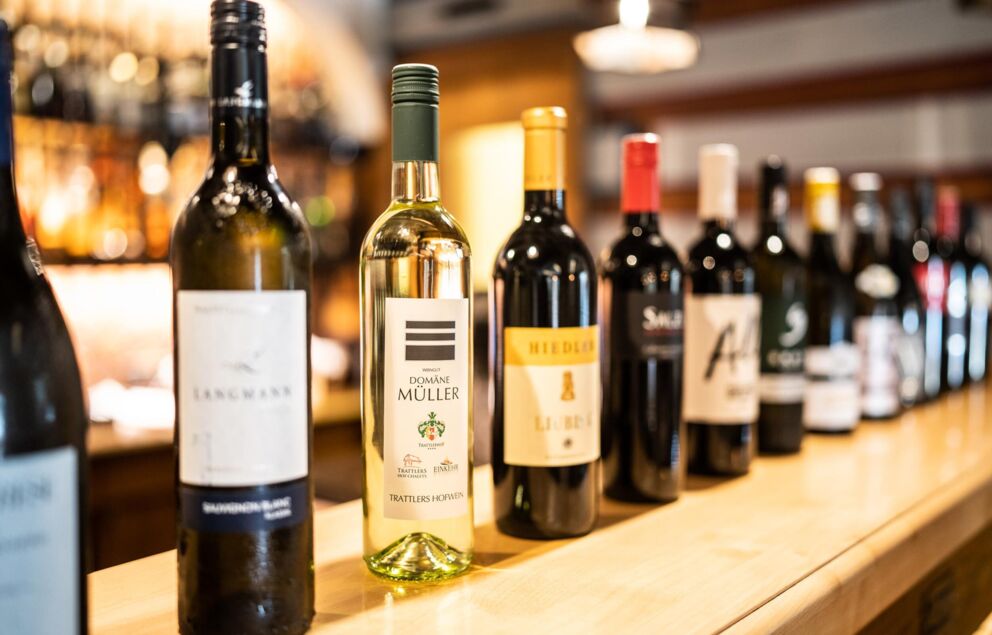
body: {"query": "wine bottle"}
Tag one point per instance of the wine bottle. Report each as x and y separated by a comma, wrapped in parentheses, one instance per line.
(416, 296)
(642, 307)
(979, 293)
(876, 322)
(723, 320)
(928, 270)
(545, 355)
(781, 282)
(953, 361)
(832, 398)
(42, 428)
(241, 271)
(910, 348)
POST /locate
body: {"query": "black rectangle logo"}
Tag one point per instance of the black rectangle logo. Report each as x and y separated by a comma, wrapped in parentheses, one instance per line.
(424, 337)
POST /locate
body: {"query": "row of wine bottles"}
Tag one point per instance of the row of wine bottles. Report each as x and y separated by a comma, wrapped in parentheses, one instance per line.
(682, 341)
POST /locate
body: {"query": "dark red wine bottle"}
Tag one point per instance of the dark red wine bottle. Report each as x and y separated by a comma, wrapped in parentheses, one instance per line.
(642, 308)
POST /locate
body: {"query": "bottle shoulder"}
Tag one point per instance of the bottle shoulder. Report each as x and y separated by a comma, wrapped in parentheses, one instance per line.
(551, 248)
(241, 199)
(725, 253)
(404, 227)
(640, 253)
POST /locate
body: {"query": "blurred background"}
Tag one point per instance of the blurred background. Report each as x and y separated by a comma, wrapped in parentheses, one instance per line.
(112, 137)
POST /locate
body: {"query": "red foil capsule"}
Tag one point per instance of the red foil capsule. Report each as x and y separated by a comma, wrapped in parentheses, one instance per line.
(948, 213)
(640, 191)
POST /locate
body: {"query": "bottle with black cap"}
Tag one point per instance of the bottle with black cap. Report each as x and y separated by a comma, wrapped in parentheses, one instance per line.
(241, 270)
(910, 349)
(876, 321)
(781, 278)
(416, 299)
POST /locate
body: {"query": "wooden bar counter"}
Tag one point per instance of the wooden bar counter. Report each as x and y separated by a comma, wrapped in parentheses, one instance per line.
(856, 532)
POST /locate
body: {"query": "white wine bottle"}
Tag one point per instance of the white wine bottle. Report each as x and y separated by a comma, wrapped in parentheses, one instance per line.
(241, 269)
(416, 301)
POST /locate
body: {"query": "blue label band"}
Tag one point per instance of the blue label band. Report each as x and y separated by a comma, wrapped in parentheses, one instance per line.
(234, 510)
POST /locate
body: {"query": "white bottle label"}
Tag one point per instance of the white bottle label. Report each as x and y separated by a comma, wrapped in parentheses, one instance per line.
(832, 400)
(242, 386)
(551, 396)
(876, 339)
(427, 411)
(721, 358)
(39, 543)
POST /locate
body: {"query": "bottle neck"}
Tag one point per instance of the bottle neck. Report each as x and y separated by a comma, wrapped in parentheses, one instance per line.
(416, 181)
(239, 108)
(821, 246)
(12, 235)
(644, 220)
(773, 203)
(714, 226)
(544, 205)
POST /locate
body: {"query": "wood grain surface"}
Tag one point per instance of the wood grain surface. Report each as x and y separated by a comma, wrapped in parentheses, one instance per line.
(830, 538)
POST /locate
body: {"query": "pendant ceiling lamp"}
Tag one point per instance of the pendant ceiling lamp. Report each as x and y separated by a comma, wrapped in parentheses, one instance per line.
(634, 45)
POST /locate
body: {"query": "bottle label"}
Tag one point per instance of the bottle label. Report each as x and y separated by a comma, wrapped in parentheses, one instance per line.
(832, 401)
(876, 338)
(427, 406)
(721, 358)
(932, 283)
(263, 508)
(39, 544)
(651, 326)
(877, 281)
(242, 386)
(551, 396)
(783, 338)
(910, 360)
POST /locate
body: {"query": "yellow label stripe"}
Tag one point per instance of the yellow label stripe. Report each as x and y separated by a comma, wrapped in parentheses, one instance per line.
(527, 346)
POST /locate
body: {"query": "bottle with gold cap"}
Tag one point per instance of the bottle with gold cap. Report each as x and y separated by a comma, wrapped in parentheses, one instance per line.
(722, 317)
(832, 399)
(545, 355)
(416, 300)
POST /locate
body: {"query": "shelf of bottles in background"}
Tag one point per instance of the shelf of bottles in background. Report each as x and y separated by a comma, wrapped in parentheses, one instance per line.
(832, 401)
(979, 293)
(910, 348)
(954, 351)
(241, 268)
(42, 428)
(930, 275)
(722, 316)
(642, 295)
(781, 278)
(416, 340)
(544, 356)
(877, 326)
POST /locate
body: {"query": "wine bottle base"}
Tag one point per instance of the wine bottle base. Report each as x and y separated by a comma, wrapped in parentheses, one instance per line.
(720, 449)
(532, 532)
(418, 557)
